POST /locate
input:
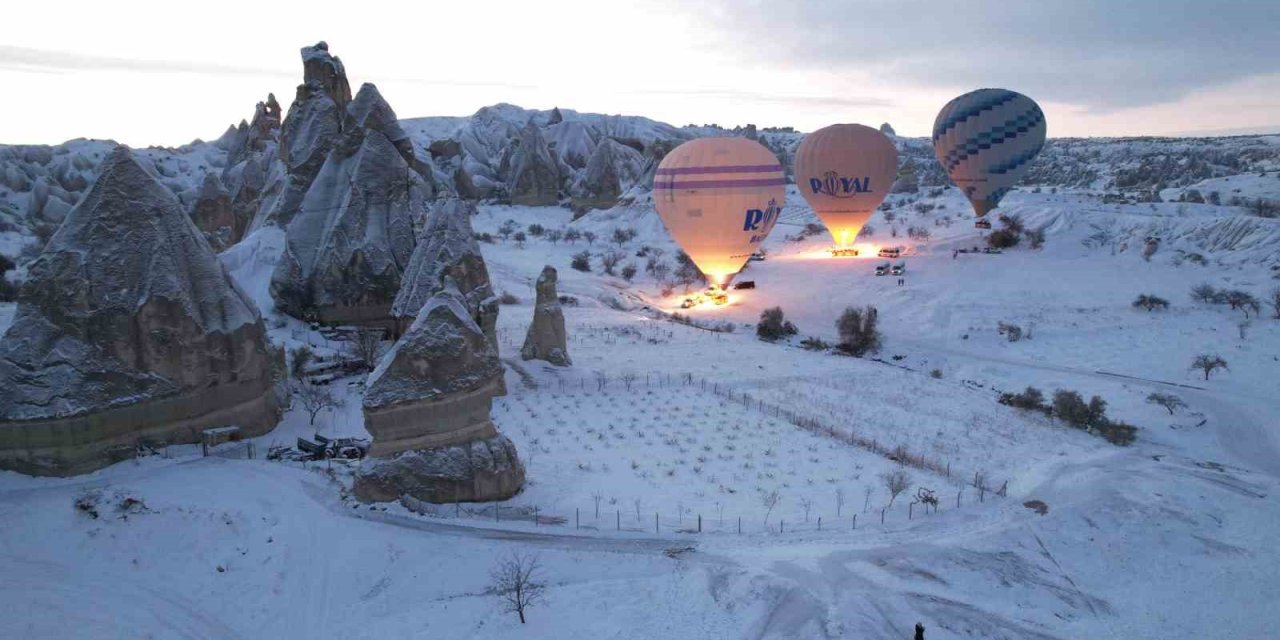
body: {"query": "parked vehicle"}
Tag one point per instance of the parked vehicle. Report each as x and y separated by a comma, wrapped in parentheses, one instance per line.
(745, 284)
(882, 269)
(899, 269)
(890, 252)
(982, 224)
(757, 256)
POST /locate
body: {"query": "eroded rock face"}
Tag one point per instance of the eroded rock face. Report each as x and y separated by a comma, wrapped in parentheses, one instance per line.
(546, 339)
(481, 470)
(427, 407)
(448, 248)
(352, 237)
(612, 165)
(112, 344)
(213, 215)
(533, 175)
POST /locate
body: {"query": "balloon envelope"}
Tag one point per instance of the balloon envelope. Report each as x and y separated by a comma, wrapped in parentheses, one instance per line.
(986, 139)
(719, 198)
(845, 171)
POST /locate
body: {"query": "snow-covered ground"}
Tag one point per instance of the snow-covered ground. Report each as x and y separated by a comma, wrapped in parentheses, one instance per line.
(1173, 537)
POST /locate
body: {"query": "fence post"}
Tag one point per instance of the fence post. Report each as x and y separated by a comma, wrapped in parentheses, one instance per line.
(655, 522)
(882, 514)
(497, 512)
(575, 518)
(910, 508)
(958, 498)
(819, 523)
(457, 509)
(699, 523)
(739, 525)
(618, 519)
(855, 522)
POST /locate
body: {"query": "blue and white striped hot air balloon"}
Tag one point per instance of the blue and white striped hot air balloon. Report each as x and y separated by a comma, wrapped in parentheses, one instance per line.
(986, 139)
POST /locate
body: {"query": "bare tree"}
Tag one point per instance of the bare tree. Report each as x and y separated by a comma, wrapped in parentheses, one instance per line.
(299, 359)
(628, 378)
(1274, 301)
(866, 497)
(366, 346)
(770, 500)
(1208, 363)
(314, 398)
(806, 504)
(1170, 402)
(896, 482)
(661, 270)
(839, 501)
(610, 260)
(597, 497)
(515, 581)
(589, 236)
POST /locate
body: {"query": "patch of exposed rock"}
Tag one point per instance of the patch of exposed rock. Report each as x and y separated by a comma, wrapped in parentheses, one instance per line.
(447, 249)
(533, 176)
(427, 407)
(546, 339)
(128, 329)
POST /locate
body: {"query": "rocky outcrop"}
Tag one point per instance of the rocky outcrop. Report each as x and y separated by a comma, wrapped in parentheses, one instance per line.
(427, 407)
(128, 329)
(326, 72)
(352, 236)
(533, 177)
(887, 129)
(448, 249)
(546, 339)
(478, 471)
(613, 168)
(213, 215)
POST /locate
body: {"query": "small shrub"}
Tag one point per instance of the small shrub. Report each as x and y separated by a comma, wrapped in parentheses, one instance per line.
(629, 272)
(1150, 302)
(936, 374)
(858, 331)
(1204, 293)
(508, 298)
(536, 230)
(774, 326)
(815, 344)
(1003, 239)
(1012, 332)
(581, 262)
(1031, 399)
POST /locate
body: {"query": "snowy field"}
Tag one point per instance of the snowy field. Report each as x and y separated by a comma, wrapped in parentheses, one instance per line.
(1172, 537)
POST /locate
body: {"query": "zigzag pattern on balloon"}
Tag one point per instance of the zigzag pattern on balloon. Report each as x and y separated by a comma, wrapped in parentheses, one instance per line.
(955, 119)
(998, 135)
(1015, 162)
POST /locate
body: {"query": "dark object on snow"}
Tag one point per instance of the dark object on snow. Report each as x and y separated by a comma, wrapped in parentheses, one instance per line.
(919, 631)
(568, 301)
(982, 224)
(745, 284)
(324, 448)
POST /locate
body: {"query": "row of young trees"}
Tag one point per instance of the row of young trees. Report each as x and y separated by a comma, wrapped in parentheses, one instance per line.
(1070, 408)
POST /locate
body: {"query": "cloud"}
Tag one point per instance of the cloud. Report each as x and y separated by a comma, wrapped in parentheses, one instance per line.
(1100, 54)
(760, 96)
(45, 61)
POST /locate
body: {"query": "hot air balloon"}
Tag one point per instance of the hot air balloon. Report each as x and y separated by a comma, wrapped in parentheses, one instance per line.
(986, 139)
(844, 171)
(719, 198)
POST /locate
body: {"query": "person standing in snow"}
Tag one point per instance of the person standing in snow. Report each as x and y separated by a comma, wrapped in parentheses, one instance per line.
(919, 631)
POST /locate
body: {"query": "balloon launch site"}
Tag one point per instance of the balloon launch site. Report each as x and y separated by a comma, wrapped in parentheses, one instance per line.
(937, 366)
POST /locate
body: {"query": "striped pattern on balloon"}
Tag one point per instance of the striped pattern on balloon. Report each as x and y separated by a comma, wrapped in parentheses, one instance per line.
(986, 140)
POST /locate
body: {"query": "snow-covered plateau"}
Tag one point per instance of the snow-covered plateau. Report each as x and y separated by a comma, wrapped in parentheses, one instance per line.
(686, 479)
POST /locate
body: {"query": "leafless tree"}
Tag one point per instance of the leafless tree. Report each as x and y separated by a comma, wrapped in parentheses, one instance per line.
(895, 482)
(1274, 301)
(1208, 363)
(602, 380)
(806, 504)
(1169, 401)
(597, 497)
(299, 359)
(515, 582)
(610, 260)
(314, 399)
(365, 345)
(770, 500)
(589, 236)
(839, 501)
(661, 270)
(866, 497)
(628, 378)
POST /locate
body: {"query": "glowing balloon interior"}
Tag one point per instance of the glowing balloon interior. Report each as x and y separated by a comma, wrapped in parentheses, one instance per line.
(845, 171)
(719, 198)
(986, 139)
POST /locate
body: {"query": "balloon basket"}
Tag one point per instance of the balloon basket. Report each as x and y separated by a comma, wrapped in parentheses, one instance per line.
(713, 296)
(844, 252)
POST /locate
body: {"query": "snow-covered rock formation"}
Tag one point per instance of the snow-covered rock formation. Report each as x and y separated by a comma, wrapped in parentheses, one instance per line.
(427, 407)
(533, 176)
(546, 339)
(113, 345)
(353, 196)
(448, 248)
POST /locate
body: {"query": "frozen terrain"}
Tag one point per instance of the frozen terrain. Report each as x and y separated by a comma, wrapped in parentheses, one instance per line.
(659, 424)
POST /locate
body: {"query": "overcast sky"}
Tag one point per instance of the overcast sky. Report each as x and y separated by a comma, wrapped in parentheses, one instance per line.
(167, 72)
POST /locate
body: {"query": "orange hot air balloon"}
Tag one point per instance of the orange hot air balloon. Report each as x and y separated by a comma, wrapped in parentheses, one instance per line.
(844, 171)
(719, 198)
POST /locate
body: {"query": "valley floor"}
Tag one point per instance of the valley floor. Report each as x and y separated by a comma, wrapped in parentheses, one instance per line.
(1173, 537)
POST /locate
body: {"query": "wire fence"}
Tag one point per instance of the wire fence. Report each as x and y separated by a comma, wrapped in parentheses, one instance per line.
(608, 518)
